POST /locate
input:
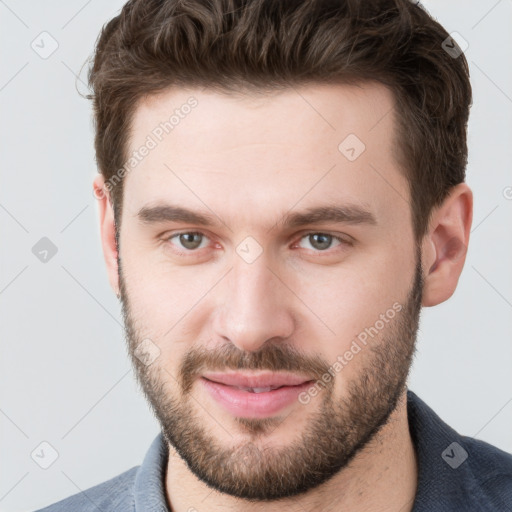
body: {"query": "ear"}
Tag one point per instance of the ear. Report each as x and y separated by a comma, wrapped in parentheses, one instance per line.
(107, 230)
(445, 246)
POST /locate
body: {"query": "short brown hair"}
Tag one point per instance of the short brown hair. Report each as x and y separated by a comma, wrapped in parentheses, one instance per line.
(243, 45)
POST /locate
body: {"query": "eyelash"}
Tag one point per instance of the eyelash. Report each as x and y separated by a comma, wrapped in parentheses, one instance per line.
(189, 252)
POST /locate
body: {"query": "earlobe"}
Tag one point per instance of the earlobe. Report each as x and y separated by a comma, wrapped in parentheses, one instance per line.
(107, 231)
(445, 246)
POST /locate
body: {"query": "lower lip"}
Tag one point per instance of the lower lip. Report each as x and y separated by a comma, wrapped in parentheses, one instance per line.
(253, 405)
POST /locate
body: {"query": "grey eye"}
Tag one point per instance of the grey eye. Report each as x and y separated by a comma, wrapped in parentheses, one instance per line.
(189, 240)
(320, 241)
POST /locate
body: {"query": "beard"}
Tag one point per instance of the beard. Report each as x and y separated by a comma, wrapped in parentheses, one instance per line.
(339, 428)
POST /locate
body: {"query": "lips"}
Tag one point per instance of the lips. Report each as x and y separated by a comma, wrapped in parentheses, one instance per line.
(257, 395)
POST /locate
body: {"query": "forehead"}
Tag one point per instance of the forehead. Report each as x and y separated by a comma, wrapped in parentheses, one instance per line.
(242, 154)
(222, 121)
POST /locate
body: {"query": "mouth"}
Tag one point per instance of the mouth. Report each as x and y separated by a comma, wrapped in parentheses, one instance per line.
(255, 395)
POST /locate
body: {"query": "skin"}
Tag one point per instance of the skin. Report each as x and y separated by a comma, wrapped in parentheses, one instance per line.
(250, 160)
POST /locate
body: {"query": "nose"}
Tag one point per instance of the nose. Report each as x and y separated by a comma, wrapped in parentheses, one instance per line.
(254, 306)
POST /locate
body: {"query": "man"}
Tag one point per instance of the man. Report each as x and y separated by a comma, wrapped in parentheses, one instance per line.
(281, 190)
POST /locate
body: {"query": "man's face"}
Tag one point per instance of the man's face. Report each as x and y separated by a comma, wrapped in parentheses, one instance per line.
(331, 303)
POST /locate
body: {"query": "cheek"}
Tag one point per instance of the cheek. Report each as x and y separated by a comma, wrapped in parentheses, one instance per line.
(165, 300)
(352, 301)
(351, 296)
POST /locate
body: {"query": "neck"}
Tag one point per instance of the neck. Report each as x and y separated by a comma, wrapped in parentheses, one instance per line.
(383, 472)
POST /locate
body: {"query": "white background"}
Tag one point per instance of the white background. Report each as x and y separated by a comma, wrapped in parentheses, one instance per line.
(65, 377)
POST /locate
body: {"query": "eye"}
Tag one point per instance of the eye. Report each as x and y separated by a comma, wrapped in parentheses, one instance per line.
(192, 241)
(188, 240)
(323, 241)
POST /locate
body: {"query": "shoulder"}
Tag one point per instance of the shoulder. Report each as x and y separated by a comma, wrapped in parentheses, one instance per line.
(456, 472)
(115, 494)
(492, 469)
(140, 486)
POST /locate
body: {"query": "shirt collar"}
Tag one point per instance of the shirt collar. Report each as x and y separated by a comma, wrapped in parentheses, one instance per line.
(149, 486)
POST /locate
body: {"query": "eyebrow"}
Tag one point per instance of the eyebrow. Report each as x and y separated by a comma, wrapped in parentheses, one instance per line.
(170, 213)
(346, 214)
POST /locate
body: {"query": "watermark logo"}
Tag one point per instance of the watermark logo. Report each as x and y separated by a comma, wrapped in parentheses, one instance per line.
(454, 45)
(351, 147)
(44, 250)
(147, 352)
(44, 455)
(249, 249)
(454, 455)
(44, 45)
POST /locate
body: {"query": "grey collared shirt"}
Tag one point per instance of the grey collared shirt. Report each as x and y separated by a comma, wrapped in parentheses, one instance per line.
(456, 473)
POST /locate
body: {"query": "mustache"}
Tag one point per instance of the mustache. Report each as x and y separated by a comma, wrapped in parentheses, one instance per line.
(275, 358)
